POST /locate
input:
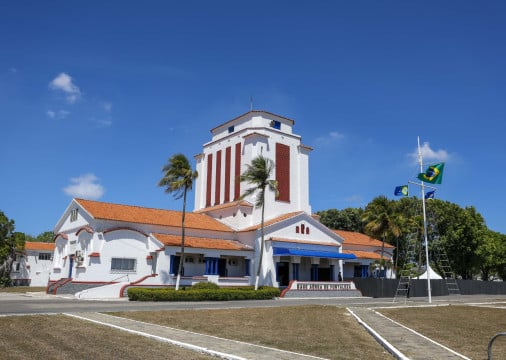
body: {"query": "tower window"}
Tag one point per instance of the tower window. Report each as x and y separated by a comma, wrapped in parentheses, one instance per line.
(73, 215)
(230, 129)
(275, 124)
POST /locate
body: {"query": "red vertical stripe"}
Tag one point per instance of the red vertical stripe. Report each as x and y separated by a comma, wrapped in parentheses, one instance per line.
(217, 192)
(209, 179)
(283, 171)
(228, 154)
(237, 174)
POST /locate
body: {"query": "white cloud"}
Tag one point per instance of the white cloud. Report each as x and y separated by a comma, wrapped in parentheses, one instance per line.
(85, 186)
(60, 114)
(107, 106)
(330, 138)
(103, 123)
(13, 70)
(429, 155)
(63, 82)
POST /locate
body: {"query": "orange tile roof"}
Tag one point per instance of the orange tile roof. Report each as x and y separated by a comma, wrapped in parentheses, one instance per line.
(273, 221)
(237, 203)
(33, 245)
(142, 215)
(201, 242)
(367, 254)
(355, 238)
(303, 241)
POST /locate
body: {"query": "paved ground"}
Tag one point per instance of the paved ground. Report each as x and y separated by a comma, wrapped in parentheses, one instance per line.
(402, 342)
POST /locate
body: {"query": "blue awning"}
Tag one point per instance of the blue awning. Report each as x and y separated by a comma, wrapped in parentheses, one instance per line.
(282, 251)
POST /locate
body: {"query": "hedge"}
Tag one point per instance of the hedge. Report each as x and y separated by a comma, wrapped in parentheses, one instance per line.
(196, 294)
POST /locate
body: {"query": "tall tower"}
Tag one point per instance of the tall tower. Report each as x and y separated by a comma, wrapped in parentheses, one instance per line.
(233, 145)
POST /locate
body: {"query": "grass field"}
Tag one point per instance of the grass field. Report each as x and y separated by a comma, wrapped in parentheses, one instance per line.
(465, 329)
(325, 331)
(61, 337)
(22, 289)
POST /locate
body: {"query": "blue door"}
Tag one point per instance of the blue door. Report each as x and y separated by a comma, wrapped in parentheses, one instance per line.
(71, 265)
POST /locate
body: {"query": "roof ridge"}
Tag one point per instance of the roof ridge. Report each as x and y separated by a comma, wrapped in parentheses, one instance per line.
(132, 206)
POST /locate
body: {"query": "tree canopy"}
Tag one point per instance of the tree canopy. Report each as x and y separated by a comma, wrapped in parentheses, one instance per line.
(7, 248)
(473, 250)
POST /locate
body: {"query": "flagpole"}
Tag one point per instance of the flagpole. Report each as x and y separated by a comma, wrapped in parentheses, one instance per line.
(422, 185)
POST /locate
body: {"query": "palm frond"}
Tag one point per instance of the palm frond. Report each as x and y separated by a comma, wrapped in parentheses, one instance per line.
(178, 176)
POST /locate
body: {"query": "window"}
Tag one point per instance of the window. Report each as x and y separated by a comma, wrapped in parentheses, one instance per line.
(73, 215)
(123, 265)
(275, 124)
(230, 129)
(45, 256)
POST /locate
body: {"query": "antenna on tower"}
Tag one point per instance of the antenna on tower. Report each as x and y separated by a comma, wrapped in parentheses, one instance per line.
(251, 103)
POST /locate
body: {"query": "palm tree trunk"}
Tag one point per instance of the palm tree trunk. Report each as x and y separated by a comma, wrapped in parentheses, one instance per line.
(181, 259)
(261, 243)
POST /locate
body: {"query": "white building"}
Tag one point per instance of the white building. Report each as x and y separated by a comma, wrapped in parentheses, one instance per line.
(33, 265)
(99, 243)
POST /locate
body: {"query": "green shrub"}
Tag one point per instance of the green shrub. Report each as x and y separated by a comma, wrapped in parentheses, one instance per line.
(192, 294)
(205, 285)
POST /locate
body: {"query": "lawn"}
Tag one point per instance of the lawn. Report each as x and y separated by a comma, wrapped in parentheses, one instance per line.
(325, 331)
(62, 337)
(465, 329)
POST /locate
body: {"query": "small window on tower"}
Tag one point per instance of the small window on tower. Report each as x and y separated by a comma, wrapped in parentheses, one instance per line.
(275, 124)
(230, 129)
(73, 215)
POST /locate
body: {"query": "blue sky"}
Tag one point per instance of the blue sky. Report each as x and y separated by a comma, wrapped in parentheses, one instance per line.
(96, 95)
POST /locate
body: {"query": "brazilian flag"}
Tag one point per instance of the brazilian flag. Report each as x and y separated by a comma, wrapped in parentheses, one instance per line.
(433, 174)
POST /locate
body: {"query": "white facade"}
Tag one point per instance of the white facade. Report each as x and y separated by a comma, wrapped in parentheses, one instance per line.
(116, 246)
(33, 265)
(235, 144)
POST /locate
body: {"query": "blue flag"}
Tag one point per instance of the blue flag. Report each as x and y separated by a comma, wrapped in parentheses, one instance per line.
(401, 190)
(430, 194)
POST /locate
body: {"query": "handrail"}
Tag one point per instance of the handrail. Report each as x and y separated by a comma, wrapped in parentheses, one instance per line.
(122, 276)
(492, 341)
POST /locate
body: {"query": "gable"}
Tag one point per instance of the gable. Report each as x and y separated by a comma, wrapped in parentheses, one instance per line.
(299, 227)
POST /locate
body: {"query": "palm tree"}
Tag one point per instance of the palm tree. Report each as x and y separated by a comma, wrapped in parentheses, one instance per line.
(381, 221)
(258, 173)
(178, 179)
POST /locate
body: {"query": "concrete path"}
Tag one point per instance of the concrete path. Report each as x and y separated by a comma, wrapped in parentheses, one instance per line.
(207, 344)
(402, 342)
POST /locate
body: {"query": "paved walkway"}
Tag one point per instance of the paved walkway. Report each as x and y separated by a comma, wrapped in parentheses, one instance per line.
(402, 342)
(223, 348)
